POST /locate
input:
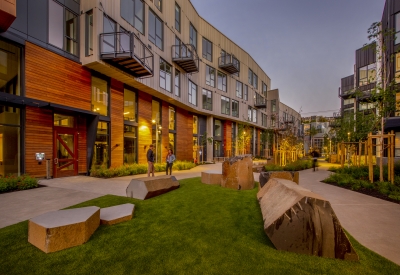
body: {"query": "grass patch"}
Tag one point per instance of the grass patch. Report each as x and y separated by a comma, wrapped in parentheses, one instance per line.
(196, 229)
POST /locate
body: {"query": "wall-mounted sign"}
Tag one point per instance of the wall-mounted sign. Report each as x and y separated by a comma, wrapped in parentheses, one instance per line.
(40, 156)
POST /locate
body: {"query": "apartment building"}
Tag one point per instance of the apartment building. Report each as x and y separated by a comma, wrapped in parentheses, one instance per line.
(89, 82)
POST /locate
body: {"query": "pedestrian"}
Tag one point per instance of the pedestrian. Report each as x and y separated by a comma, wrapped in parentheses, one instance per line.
(315, 155)
(150, 161)
(170, 161)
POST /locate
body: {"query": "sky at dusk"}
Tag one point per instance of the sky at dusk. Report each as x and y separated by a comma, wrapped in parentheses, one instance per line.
(304, 46)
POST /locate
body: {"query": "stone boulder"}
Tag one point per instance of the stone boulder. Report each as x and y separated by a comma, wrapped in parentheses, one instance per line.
(146, 188)
(117, 214)
(211, 177)
(58, 230)
(287, 175)
(298, 220)
(237, 173)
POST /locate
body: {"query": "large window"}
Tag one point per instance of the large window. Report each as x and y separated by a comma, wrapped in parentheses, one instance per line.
(177, 17)
(158, 4)
(130, 144)
(252, 115)
(221, 81)
(171, 118)
(273, 105)
(108, 42)
(397, 27)
(195, 125)
(192, 93)
(165, 75)
(156, 112)
(10, 140)
(207, 100)
(246, 92)
(264, 119)
(133, 12)
(207, 49)
(177, 83)
(210, 76)
(225, 105)
(130, 106)
(192, 36)
(397, 67)
(239, 88)
(235, 108)
(264, 89)
(217, 128)
(253, 79)
(100, 96)
(101, 145)
(63, 28)
(10, 68)
(367, 74)
(155, 30)
(89, 33)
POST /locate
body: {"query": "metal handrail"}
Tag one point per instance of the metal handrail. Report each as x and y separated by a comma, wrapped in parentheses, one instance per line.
(260, 101)
(126, 43)
(229, 59)
(184, 51)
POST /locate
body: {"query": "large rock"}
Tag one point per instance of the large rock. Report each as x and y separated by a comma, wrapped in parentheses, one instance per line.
(117, 214)
(145, 188)
(237, 173)
(211, 177)
(58, 230)
(298, 220)
(266, 176)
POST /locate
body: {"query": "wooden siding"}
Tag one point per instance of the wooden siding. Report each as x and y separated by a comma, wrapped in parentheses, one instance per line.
(82, 148)
(38, 138)
(144, 131)
(184, 135)
(53, 78)
(165, 130)
(228, 138)
(117, 123)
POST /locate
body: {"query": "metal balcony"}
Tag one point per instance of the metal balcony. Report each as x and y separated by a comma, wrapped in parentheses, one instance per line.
(186, 57)
(260, 103)
(127, 52)
(229, 63)
(8, 13)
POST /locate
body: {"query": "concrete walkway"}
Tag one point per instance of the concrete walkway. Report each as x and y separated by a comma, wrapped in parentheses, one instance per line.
(373, 222)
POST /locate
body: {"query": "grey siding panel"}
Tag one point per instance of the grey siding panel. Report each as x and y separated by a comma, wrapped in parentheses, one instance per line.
(37, 19)
(14, 35)
(72, 5)
(21, 22)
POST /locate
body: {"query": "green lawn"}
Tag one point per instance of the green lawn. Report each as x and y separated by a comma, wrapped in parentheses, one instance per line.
(196, 229)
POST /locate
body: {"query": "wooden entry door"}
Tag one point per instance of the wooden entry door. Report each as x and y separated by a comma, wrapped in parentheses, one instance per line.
(65, 152)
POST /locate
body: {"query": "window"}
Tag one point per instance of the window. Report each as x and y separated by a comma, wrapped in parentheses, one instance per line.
(130, 105)
(133, 12)
(165, 75)
(171, 142)
(225, 105)
(207, 49)
(253, 79)
(89, 33)
(101, 145)
(192, 36)
(155, 30)
(177, 83)
(207, 100)
(100, 96)
(397, 67)
(108, 42)
(235, 108)
(246, 92)
(250, 77)
(171, 118)
(192, 93)
(221, 81)
(10, 137)
(158, 4)
(239, 88)
(397, 27)
(252, 114)
(130, 144)
(63, 34)
(10, 68)
(366, 74)
(348, 101)
(273, 105)
(264, 119)
(217, 128)
(195, 124)
(210, 76)
(156, 112)
(177, 17)
(264, 89)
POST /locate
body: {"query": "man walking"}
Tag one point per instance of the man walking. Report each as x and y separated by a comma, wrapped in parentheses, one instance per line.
(150, 161)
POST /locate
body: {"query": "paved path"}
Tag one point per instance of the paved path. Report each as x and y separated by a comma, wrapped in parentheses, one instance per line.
(373, 222)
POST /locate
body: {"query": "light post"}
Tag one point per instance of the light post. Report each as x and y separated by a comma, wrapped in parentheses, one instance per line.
(158, 128)
(348, 150)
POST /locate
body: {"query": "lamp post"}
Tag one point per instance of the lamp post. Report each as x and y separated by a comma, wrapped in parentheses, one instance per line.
(348, 150)
(158, 128)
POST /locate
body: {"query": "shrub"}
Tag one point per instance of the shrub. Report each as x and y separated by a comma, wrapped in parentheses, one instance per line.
(273, 167)
(12, 183)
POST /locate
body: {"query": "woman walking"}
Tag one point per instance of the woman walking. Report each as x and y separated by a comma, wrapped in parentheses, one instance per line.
(170, 161)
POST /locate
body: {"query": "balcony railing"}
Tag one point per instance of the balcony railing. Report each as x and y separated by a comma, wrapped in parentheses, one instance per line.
(229, 63)
(127, 52)
(186, 57)
(260, 103)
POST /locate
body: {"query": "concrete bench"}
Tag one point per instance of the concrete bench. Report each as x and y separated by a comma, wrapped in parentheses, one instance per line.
(145, 188)
(211, 177)
(116, 214)
(58, 230)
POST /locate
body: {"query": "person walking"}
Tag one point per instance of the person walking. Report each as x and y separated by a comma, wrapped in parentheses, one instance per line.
(315, 156)
(150, 161)
(170, 161)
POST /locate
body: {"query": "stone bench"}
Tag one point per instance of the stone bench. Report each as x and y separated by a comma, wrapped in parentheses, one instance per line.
(266, 176)
(145, 188)
(211, 177)
(116, 214)
(58, 230)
